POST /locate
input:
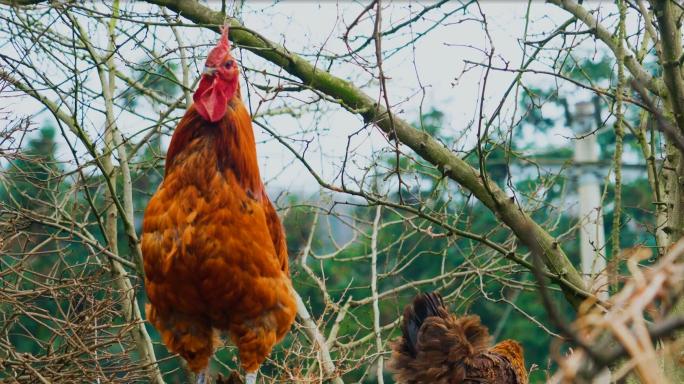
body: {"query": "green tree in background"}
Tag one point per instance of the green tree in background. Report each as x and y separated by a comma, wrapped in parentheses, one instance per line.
(34, 176)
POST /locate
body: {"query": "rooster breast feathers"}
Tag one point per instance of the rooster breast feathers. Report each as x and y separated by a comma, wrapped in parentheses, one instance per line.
(210, 233)
(214, 248)
(439, 347)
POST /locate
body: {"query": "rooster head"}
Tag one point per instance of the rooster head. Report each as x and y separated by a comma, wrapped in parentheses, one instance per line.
(219, 82)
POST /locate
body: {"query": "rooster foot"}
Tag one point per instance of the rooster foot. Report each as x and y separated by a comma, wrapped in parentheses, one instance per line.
(203, 377)
(234, 378)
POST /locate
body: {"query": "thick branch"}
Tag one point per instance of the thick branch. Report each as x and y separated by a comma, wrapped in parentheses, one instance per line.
(671, 52)
(17, 3)
(422, 143)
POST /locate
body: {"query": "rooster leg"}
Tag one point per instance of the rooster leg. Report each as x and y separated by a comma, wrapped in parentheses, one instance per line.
(203, 377)
(251, 378)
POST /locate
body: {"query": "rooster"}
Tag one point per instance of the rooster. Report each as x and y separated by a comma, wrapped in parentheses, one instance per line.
(214, 249)
(441, 348)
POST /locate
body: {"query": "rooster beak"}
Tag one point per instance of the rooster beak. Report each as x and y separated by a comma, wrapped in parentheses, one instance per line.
(208, 71)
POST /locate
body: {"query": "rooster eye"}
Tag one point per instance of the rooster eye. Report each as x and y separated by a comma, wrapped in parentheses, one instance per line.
(228, 64)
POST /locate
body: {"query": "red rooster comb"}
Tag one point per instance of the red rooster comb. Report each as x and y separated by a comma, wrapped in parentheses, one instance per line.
(223, 41)
(221, 51)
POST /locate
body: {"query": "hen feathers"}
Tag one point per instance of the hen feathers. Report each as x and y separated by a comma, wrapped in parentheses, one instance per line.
(441, 348)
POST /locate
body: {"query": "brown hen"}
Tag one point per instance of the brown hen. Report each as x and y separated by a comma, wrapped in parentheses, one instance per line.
(440, 348)
(214, 248)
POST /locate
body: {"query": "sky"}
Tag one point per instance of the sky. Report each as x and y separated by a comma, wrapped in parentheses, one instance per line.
(428, 74)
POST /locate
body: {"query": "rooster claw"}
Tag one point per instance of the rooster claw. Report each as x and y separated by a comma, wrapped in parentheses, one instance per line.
(203, 377)
(234, 378)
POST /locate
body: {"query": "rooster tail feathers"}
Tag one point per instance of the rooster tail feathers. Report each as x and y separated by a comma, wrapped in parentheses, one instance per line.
(424, 305)
(464, 336)
(431, 304)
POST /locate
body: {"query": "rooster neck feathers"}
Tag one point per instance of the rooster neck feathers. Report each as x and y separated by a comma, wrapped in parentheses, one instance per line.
(231, 138)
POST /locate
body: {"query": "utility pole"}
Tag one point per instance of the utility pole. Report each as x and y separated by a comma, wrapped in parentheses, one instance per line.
(592, 236)
(592, 233)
